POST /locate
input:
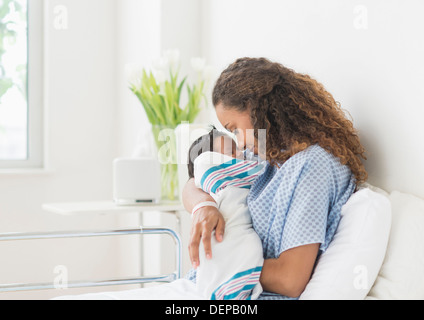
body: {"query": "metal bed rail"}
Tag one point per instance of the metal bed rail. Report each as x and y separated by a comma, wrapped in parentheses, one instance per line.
(98, 283)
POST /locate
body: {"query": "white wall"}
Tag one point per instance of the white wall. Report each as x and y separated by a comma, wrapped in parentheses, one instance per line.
(367, 53)
(138, 42)
(80, 103)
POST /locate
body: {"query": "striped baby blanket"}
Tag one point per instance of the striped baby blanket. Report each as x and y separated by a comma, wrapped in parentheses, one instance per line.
(236, 265)
(214, 172)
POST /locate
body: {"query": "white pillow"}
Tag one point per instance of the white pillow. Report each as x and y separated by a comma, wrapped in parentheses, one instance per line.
(402, 274)
(349, 267)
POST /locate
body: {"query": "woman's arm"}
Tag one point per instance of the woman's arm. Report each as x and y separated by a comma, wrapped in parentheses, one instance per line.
(192, 196)
(290, 273)
(205, 221)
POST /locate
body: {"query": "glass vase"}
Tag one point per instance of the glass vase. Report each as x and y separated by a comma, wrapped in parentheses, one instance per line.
(165, 140)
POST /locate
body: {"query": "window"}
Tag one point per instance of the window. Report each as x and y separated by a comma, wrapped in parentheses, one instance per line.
(21, 65)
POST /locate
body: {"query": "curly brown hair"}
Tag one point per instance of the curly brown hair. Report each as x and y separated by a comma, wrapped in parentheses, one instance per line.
(296, 111)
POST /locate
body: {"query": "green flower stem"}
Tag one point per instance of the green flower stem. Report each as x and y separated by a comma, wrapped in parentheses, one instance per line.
(165, 140)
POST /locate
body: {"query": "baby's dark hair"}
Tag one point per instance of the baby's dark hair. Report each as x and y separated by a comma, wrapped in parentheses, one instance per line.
(201, 145)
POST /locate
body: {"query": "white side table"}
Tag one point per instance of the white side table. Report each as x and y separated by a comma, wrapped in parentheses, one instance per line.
(110, 207)
(74, 208)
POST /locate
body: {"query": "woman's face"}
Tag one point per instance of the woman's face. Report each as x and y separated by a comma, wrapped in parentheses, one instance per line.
(226, 145)
(240, 125)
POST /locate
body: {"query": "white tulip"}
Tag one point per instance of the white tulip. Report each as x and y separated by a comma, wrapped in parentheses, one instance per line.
(173, 57)
(208, 73)
(198, 64)
(134, 73)
(160, 64)
(160, 77)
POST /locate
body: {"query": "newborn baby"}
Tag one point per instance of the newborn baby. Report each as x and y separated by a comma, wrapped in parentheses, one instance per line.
(219, 169)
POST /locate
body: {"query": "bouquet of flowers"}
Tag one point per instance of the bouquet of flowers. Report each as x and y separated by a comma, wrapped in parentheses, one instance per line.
(160, 92)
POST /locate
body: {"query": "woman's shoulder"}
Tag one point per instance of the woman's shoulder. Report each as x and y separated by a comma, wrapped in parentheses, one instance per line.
(316, 162)
(315, 153)
(312, 169)
(314, 156)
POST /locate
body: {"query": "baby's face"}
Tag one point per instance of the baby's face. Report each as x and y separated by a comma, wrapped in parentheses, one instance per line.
(227, 146)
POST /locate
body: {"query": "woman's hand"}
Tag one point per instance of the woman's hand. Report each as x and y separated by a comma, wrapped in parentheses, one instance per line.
(205, 221)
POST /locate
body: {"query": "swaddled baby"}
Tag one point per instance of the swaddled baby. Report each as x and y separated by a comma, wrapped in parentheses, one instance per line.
(219, 170)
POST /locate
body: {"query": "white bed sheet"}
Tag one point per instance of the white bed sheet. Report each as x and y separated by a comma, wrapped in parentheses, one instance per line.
(178, 290)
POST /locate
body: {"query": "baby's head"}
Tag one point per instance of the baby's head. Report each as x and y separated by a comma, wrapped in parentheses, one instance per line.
(214, 141)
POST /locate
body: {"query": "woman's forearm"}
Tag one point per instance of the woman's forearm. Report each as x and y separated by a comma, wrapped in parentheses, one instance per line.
(193, 196)
(290, 273)
(273, 279)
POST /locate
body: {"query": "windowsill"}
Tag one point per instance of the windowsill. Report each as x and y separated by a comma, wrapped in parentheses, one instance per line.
(26, 172)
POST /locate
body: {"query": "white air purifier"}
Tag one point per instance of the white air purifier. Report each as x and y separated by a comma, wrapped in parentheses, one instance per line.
(136, 181)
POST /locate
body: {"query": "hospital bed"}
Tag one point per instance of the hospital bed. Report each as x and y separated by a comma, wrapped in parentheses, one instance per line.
(166, 278)
(375, 255)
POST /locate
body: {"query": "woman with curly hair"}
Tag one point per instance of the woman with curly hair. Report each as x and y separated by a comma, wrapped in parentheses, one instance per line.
(314, 164)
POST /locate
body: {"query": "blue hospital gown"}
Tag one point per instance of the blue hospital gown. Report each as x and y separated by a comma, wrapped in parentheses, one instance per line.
(299, 203)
